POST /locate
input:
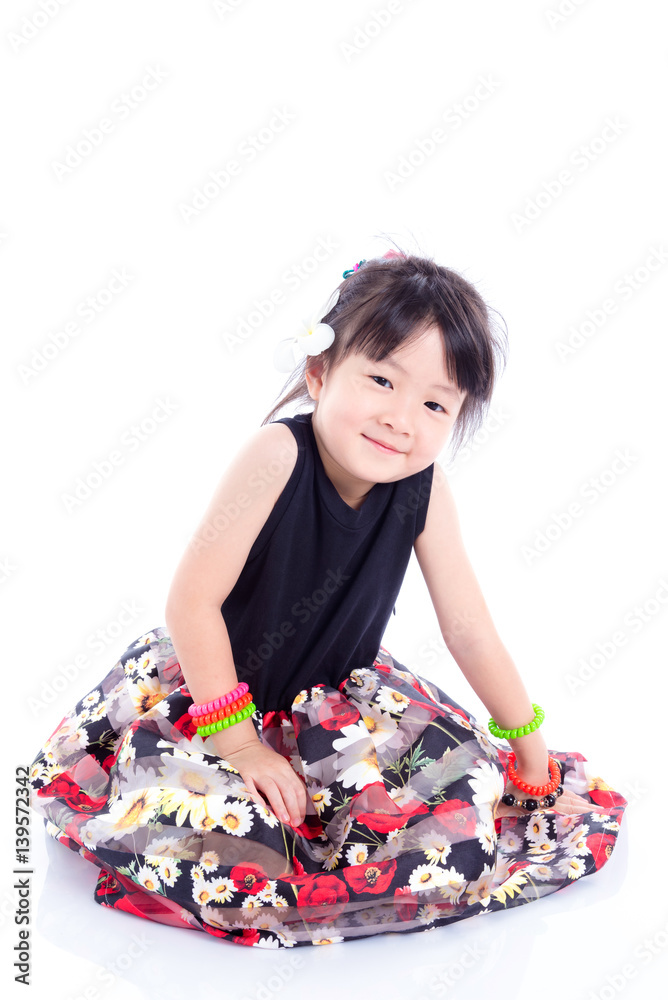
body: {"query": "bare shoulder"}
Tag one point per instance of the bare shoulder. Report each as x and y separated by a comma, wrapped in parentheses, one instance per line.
(276, 439)
(242, 501)
(442, 515)
(260, 468)
(267, 457)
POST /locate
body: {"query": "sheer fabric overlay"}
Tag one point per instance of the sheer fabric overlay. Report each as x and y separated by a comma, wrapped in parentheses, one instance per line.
(401, 832)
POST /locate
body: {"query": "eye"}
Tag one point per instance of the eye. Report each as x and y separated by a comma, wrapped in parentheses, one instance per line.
(383, 379)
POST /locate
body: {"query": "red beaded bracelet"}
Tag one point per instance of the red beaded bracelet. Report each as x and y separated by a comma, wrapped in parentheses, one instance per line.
(541, 790)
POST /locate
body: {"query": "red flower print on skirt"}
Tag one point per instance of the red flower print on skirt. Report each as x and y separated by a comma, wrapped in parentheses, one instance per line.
(400, 832)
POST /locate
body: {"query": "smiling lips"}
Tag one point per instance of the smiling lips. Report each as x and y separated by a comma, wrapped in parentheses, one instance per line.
(384, 447)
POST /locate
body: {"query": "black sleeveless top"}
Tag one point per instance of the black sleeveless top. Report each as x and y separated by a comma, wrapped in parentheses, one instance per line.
(321, 579)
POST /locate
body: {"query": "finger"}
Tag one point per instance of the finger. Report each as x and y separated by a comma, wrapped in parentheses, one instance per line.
(306, 799)
(250, 785)
(303, 801)
(302, 798)
(292, 804)
(571, 808)
(293, 791)
(576, 804)
(574, 810)
(273, 793)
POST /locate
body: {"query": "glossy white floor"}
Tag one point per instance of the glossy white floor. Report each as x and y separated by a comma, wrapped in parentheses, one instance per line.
(578, 942)
(566, 944)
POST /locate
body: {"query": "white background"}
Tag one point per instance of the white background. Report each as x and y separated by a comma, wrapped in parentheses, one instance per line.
(361, 97)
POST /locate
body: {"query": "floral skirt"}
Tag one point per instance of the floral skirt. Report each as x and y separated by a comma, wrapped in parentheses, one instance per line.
(400, 834)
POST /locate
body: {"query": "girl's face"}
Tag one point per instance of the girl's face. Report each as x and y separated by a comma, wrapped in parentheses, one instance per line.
(410, 408)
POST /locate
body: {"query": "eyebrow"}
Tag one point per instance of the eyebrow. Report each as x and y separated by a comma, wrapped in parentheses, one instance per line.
(444, 388)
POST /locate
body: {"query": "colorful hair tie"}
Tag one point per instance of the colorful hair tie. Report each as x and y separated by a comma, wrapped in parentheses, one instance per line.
(513, 734)
(351, 270)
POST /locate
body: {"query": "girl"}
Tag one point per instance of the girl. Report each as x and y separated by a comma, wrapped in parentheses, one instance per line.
(264, 770)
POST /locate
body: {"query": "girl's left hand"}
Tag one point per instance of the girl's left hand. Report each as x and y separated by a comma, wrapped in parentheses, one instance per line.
(568, 803)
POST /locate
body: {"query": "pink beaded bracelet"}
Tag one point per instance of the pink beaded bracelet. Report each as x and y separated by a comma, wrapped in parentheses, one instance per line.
(205, 708)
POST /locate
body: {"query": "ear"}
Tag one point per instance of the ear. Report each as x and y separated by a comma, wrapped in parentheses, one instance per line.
(315, 375)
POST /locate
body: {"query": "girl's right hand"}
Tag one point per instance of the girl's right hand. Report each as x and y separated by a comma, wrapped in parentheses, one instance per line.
(265, 772)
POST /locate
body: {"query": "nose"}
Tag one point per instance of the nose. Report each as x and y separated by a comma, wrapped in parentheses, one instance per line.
(398, 417)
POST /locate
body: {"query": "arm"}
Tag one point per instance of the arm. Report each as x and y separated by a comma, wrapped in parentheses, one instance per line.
(206, 574)
(490, 671)
(211, 565)
(469, 632)
(202, 643)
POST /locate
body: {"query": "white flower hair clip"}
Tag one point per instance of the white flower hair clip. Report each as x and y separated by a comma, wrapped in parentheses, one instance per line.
(315, 338)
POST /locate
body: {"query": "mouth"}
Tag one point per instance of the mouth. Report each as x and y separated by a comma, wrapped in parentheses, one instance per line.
(383, 447)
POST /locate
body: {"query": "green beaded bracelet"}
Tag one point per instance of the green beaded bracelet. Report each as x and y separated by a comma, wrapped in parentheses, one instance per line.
(513, 734)
(229, 720)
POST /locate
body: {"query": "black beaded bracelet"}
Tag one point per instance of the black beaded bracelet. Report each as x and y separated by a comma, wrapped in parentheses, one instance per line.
(532, 804)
